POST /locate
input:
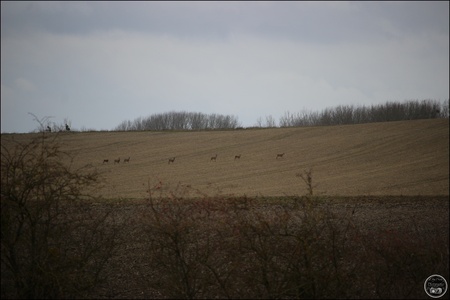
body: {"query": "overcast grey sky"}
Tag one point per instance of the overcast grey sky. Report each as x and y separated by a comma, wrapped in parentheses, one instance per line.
(99, 63)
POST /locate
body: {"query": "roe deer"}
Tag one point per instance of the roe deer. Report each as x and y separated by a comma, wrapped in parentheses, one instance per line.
(117, 161)
(171, 160)
(237, 157)
(213, 158)
(105, 161)
(280, 155)
(126, 160)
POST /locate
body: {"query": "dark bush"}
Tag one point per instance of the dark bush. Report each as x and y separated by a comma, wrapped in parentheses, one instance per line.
(292, 248)
(53, 243)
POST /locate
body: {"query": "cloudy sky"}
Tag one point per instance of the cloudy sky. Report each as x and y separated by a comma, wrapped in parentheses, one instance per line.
(97, 64)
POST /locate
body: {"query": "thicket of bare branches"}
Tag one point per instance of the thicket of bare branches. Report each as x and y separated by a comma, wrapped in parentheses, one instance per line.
(293, 248)
(53, 243)
(46, 125)
(350, 114)
(180, 121)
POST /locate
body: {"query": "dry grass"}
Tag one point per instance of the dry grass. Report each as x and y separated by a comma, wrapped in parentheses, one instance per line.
(394, 158)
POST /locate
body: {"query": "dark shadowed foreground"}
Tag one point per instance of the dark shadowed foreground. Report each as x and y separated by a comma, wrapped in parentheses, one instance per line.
(297, 247)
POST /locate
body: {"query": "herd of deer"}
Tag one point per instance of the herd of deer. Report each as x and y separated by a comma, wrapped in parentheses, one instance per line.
(117, 161)
(172, 159)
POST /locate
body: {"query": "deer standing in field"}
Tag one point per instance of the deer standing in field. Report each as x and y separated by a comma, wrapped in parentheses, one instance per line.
(126, 160)
(117, 161)
(105, 160)
(280, 155)
(237, 157)
(171, 160)
(213, 158)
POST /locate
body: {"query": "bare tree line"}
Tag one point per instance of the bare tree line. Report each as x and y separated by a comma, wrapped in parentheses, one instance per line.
(350, 114)
(180, 121)
(339, 115)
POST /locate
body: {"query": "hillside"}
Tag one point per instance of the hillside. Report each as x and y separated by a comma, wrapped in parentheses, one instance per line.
(392, 158)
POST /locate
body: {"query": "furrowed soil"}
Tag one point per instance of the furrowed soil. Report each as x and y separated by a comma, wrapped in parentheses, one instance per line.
(391, 158)
(385, 176)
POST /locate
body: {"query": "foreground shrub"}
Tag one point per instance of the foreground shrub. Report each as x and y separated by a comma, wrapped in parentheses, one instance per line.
(53, 244)
(297, 247)
(236, 247)
(401, 258)
(183, 243)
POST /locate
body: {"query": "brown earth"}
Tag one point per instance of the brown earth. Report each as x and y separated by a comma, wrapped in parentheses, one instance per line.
(392, 158)
(374, 164)
(130, 276)
(129, 273)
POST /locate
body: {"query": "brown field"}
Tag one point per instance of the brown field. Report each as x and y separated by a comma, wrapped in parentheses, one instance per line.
(389, 180)
(393, 158)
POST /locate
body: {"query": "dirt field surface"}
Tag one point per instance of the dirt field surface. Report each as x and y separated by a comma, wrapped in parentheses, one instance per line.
(129, 273)
(392, 158)
(386, 177)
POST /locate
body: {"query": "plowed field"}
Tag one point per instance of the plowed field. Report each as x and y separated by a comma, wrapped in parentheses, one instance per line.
(393, 158)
